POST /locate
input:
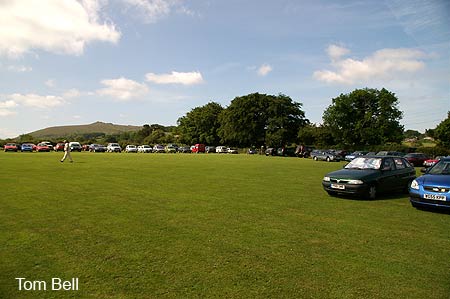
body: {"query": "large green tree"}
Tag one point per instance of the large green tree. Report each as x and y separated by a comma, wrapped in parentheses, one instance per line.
(201, 124)
(259, 119)
(442, 132)
(364, 117)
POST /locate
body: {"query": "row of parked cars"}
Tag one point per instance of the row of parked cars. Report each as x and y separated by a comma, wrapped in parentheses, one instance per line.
(416, 159)
(171, 148)
(368, 175)
(46, 146)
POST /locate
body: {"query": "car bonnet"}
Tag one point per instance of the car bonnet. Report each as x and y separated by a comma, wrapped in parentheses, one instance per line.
(441, 180)
(354, 174)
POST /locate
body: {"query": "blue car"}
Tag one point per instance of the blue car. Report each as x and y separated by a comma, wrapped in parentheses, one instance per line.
(26, 147)
(433, 188)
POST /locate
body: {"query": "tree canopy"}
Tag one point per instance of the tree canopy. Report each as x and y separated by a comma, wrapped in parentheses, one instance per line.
(201, 124)
(442, 132)
(364, 117)
(259, 119)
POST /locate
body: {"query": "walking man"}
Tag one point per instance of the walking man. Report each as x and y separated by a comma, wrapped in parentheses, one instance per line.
(66, 152)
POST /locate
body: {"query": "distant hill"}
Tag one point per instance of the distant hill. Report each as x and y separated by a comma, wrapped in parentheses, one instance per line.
(97, 127)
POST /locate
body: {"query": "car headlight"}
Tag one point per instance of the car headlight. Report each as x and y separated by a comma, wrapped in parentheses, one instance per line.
(355, 182)
(414, 185)
(326, 179)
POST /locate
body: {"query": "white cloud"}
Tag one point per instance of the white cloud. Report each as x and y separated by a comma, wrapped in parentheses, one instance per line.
(8, 104)
(152, 10)
(71, 93)
(59, 26)
(382, 65)
(189, 78)
(19, 68)
(36, 101)
(335, 52)
(50, 83)
(264, 69)
(123, 89)
(5, 108)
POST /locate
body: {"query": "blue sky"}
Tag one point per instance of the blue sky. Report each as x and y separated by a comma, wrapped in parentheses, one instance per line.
(135, 62)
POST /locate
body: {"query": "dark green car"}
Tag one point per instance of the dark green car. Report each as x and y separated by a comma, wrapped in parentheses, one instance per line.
(368, 176)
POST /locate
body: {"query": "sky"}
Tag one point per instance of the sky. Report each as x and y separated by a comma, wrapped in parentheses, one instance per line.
(136, 62)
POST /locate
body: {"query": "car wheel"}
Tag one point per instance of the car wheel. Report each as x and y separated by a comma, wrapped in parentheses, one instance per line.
(328, 159)
(372, 192)
(315, 158)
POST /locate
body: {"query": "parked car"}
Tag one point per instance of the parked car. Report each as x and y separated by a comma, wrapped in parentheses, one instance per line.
(433, 188)
(303, 151)
(221, 149)
(316, 152)
(389, 153)
(340, 153)
(113, 148)
(286, 152)
(184, 149)
(10, 147)
(210, 149)
(431, 162)
(27, 147)
(59, 147)
(75, 146)
(130, 148)
(42, 147)
(353, 155)
(158, 148)
(144, 148)
(171, 148)
(367, 176)
(270, 151)
(328, 156)
(199, 148)
(416, 159)
(252, 151)
(232, 150)
(49, 144)
(97, 148)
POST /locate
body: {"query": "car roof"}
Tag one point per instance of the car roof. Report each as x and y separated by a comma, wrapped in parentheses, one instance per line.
(378, 156)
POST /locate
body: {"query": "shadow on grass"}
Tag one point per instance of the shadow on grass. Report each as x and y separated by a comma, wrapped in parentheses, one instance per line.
(434, 210)
(386, 196)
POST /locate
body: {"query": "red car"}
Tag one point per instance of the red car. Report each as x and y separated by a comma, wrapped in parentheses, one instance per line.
(59, 147)
(42, 147)
(199, 148)
(10, 147)
(416, 159)
(431, 162)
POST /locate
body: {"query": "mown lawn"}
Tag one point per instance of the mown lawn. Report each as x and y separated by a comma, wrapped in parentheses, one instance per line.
(209, 226)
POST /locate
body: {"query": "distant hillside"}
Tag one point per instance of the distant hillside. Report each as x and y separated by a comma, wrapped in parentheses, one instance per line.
(97, 127)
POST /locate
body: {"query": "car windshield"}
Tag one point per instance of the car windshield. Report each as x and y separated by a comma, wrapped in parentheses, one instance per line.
(442, 167)
(364, 163)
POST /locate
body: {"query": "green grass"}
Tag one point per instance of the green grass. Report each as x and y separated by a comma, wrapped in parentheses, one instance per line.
(209, 226)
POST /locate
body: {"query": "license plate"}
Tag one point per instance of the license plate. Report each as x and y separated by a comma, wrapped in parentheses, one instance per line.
(434, 197)
(338, 186)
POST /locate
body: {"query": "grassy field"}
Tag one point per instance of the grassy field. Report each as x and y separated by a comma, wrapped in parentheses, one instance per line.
(209, 226)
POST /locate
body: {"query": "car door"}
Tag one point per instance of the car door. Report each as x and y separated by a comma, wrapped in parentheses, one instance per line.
(388, 178)
(405, 173)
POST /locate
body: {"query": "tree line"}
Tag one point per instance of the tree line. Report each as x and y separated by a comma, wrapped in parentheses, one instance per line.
(361, 119)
